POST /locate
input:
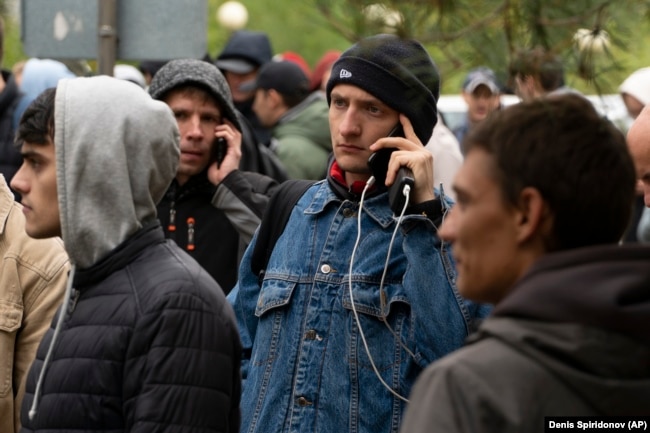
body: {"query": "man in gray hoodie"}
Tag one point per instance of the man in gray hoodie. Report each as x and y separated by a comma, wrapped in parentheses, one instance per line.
(535, 231)
(145, 340)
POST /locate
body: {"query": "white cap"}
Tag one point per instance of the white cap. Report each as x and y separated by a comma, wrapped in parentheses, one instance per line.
(129, 73)
(638, 85)
(481, 76)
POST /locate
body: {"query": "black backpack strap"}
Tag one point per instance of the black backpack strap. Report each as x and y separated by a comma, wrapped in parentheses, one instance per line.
(275, 218)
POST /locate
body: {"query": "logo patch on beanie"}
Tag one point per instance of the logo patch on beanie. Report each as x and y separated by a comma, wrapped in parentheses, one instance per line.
(345, 73)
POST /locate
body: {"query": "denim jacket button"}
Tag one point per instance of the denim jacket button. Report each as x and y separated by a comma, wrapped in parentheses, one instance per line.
(348, 213)
(302, 401)
(326, 269)
(313, 335)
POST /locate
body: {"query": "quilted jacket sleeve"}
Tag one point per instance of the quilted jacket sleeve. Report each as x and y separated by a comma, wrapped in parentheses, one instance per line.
(243, 197)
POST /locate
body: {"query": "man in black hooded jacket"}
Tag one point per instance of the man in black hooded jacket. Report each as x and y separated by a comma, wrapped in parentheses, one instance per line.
(212, 208)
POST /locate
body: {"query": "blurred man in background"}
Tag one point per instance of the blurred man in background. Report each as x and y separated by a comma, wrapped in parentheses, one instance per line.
(481, 93)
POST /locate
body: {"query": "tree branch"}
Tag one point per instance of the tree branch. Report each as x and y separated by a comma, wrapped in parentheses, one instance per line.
(336, 25)
(576, 19)
(450, 37)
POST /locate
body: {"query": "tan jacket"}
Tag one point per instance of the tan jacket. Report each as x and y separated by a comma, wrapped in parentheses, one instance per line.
(33, 274)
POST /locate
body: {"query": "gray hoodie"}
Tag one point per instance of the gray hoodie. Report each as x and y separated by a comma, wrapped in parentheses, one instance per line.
(117, 151)
(111, 171)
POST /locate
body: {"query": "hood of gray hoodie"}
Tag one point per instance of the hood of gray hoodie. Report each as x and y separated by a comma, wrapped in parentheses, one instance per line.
(584, 315)
(117, 151)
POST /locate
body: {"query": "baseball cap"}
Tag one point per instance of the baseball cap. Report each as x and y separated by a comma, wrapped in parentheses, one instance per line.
(478, 76)
(238, 66)
(285, 76)
(245, 51)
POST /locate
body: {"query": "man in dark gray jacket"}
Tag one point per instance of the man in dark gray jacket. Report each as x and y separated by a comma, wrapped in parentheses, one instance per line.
(544, 195)
(145, 340)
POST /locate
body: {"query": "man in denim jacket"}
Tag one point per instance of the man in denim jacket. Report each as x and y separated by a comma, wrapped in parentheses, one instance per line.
(331, 344)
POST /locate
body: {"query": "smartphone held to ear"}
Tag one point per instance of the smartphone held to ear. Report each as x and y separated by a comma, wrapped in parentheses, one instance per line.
(218, 151)
(378, 163)
(397, 131)
(396, 197)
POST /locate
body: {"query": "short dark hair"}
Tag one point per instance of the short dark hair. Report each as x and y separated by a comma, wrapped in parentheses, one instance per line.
(37, 122)
(193, 89)
(295, 98)
(539, 63)
(577, 159)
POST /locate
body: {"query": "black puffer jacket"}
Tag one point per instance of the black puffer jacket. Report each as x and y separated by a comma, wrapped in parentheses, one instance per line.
(144, 348)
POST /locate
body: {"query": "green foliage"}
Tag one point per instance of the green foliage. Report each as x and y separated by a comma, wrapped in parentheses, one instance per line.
(12, 44)
(461, 34)
(291, 25)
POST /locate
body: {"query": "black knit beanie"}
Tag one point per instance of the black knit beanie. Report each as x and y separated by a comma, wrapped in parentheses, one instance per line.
(399, 72)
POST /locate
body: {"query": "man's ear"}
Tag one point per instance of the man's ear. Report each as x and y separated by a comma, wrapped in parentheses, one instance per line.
(275, 98)
(533, 85)
(534, 216)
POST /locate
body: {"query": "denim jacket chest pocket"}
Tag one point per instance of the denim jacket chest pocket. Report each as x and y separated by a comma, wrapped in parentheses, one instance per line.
(274, 293)
(276, 326)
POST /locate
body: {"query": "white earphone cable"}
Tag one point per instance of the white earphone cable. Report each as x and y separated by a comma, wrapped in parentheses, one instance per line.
(369, 183)
(407, 193)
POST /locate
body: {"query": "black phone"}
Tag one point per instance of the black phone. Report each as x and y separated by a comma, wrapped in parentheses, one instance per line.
(218, 151)
(378, 163)
(396, 197)
(397, 131)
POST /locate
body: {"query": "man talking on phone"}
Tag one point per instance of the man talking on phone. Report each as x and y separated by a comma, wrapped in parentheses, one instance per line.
(212, 208)
(351, 305)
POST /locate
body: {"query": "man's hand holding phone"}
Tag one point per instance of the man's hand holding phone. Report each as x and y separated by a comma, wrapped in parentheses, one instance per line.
(408, 152)
(225, 153)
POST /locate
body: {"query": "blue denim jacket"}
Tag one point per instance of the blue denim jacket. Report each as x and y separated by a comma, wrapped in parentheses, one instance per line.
(309, 370)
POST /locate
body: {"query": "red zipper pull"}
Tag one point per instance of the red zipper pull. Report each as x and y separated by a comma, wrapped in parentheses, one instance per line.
(190, 234)
(172, 219)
